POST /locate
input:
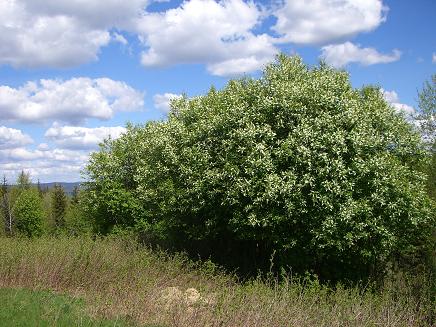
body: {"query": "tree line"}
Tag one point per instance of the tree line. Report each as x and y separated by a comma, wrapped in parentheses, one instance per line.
(29, 210)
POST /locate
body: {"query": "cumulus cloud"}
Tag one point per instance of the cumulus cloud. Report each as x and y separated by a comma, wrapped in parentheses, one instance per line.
(162, 101)
(392, 98)
(63, 162)
(71, 101)
(61, 33)
(73, 137)
(32, 157)
(339, 55)
(43, 147)
(433, 58)
(218, 34)
(13, 138)
(325, 21)
(92, 13)
(46, 165)
(39, 40)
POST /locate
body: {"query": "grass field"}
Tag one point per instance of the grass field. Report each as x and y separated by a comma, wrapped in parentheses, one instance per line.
(114, 282)
(26, 308)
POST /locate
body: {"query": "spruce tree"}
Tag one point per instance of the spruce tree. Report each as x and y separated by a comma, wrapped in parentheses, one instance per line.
(23, 180)
(59, 206)
(40, 192)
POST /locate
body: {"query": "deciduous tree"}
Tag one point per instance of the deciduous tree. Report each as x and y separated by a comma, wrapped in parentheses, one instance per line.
(28, 213)
(298, 162)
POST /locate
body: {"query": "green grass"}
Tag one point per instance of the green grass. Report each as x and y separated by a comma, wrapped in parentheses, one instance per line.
(122, 282)
(26, 308)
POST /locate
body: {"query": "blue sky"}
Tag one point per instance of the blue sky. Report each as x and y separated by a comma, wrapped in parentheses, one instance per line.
(74, 71)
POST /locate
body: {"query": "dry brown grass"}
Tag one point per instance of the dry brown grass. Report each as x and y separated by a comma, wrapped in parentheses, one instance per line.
(118, 279)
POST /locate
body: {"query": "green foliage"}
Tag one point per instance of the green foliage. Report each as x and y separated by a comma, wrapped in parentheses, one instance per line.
(431, 181)
(22, 307)
(23, 180)
(427, 123)
(59, 206)
(39, 188)
(297, 162)
(75, 195)
(28, 213)
(9, 196)
(77, 221)
(112, 199)
(5, 224)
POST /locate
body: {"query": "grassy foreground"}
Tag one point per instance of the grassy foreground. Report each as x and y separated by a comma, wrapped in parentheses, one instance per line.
(117, 280)
(21, 307)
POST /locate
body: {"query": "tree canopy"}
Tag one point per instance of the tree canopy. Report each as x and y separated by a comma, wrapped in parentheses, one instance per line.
(297, 162)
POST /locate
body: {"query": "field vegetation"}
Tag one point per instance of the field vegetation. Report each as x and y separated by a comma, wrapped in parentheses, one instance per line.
(117, 280)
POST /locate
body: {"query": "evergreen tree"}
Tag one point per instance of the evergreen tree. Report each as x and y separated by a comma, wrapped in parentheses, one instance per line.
(40, 192)
(4, 185)
(59, 206)
(23, 180)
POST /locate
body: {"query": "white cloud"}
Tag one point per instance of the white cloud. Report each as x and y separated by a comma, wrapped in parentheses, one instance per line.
(339, 55)
(71, 101)
(60, 33)
(218, 34)
(23, 154)
(94, 13)
(433, 58)
(162, 101)
(32, 40)
(73, 137)
(392, 98)
(324, 21)
(20, 154)
(67, 33)
(47, 165)
(250, 63)
(64, 162)
(43, 147)
(13, 138)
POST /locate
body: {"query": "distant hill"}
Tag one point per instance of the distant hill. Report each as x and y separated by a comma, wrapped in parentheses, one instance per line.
(68, 187)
